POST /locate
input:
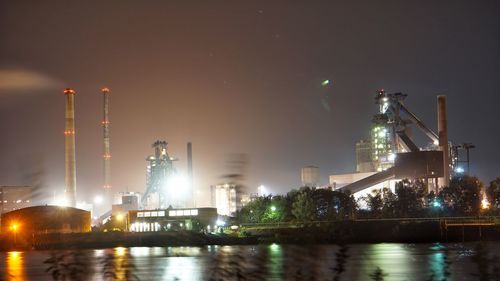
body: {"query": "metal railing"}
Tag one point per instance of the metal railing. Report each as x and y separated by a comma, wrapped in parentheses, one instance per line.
(449, 221)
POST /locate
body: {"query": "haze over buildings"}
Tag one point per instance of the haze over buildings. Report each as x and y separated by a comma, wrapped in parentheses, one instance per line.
(242, 77)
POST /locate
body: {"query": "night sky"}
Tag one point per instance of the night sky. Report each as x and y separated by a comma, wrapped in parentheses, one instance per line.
(237, 77)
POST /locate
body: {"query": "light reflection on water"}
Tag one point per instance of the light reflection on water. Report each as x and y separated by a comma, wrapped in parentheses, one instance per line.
(258, 262)
(15, 265)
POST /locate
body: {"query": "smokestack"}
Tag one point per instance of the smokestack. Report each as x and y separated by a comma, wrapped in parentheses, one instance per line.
(190, 170)
(106, 154)
(443, 138)
(69, 157)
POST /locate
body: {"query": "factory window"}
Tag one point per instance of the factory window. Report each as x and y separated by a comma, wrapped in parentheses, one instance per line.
(171, 213)
(161, 213)
(186, 212)
(147, 214)
(154, 214)
(179, 213)
(140, 214)
(194, 212)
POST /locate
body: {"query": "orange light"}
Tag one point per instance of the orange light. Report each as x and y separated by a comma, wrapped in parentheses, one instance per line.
(14, 227)
(105, 90)
(68, 91)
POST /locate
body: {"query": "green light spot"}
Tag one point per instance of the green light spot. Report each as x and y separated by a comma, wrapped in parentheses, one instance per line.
(325, 82)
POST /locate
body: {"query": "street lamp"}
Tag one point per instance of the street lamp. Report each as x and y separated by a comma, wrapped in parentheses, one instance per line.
(14, 228)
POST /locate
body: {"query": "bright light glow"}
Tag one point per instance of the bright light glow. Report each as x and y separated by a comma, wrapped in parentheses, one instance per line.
(325, 82)
(273, 208)
(98, 199)
(459, 170)
(220, 223)
(15, 266)
(120, 251)
(177, 188)
(120, 217)
(484, 203)
(60, 201)
(385, 107)
(262, 190)
(392, 157)
(14, 227)
(436, 204)
(436, 142)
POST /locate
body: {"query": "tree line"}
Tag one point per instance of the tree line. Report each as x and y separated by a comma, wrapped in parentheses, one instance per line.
(464, 196)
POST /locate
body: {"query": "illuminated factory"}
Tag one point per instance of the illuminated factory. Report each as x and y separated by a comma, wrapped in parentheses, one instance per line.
(390, 153)
(228, 198)
(164, 186)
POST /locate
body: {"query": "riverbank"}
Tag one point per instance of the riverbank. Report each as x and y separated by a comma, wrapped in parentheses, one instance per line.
(352, 231)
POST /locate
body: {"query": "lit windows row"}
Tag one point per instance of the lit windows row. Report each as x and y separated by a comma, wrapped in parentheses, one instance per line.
(145, 227)
(151, 214)
(17, 201)
(181, 213)
(172, 213)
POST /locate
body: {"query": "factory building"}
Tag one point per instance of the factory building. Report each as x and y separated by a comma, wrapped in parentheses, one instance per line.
(390, 153)
(128, 201)
(228, 198)
(382, 143)
(310, 176)
(46, 219)
(172, 219)
(15, 197)
(364, 163)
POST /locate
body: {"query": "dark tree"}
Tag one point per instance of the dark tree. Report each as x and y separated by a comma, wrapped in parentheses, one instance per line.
(463, 196)
(303, 207)
(409, 198)
(493, 194)
(375, 203)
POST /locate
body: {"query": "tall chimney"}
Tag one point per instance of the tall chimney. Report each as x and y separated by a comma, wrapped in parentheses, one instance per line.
(106, 153)
(443, 138)
(190, 171)
(69, 156)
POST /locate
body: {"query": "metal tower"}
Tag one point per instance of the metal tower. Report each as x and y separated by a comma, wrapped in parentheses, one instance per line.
(160, 168)
(69, 156)
(107, 154)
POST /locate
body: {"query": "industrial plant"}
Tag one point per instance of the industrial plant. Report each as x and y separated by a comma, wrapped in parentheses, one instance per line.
(391, 154)
(387, 155)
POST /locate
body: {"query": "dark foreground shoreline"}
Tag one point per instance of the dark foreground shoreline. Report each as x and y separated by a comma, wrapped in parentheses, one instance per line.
(339, 232)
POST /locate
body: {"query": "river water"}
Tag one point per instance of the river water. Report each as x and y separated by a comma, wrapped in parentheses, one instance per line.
(259, 262)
